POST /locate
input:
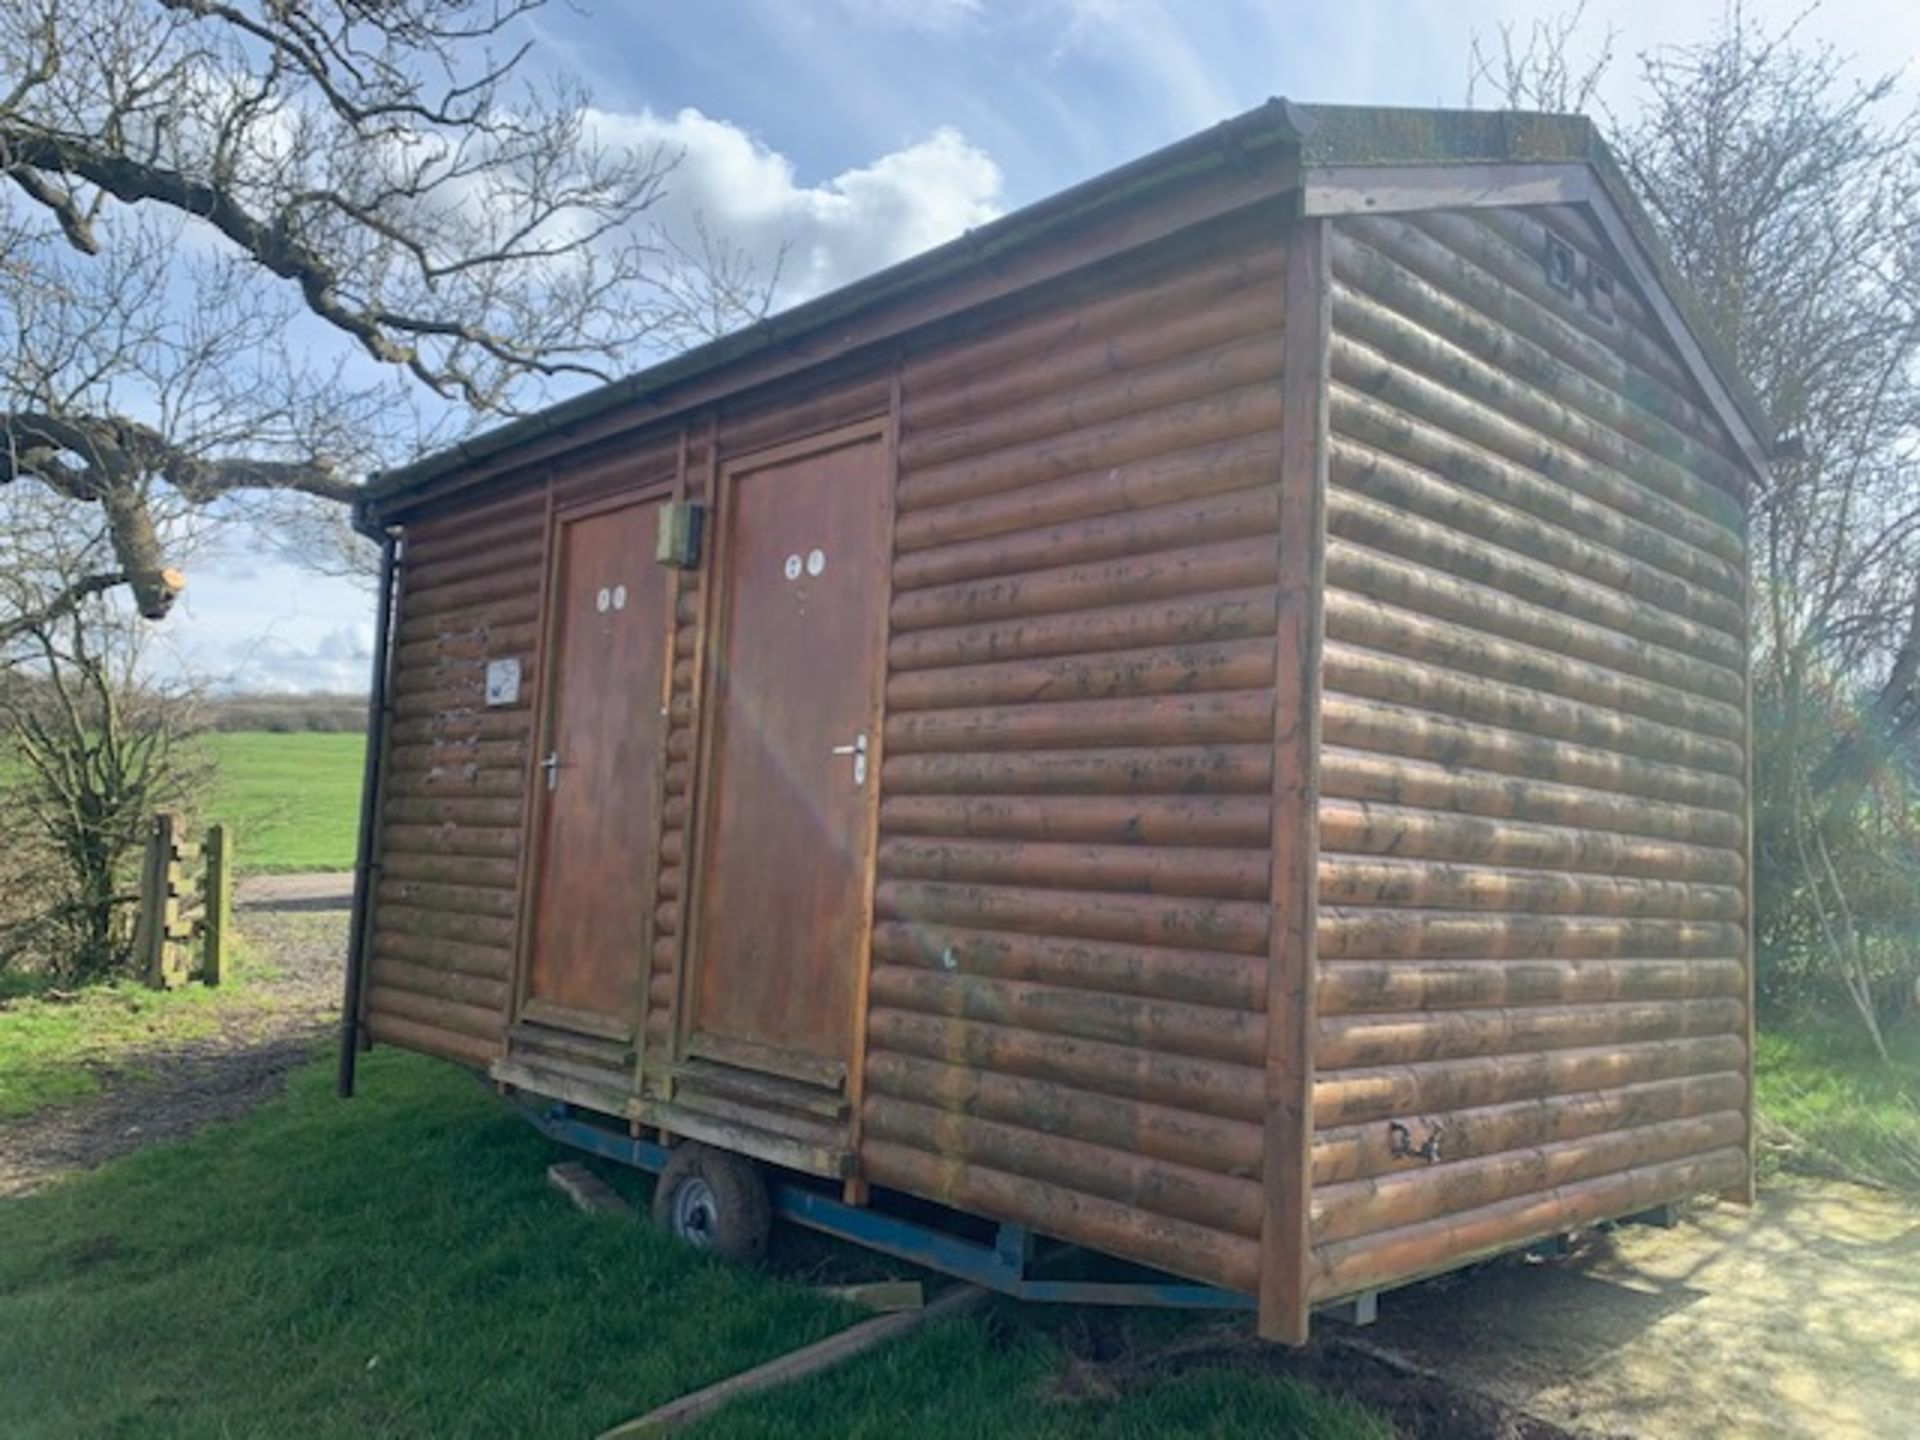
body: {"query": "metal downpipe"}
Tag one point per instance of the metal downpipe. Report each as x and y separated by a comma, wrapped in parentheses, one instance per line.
(363, 863)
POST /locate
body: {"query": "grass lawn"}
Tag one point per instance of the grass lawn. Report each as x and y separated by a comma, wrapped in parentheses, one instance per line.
(397, 1266)
(1823, 1082)
(53, 1045)
(293, 800)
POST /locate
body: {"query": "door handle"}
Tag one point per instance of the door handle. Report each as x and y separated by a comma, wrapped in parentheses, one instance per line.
(858, 750)
(552, 766)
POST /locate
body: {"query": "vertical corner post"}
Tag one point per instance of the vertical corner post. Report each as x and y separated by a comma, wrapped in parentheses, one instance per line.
(1285, 1272)
(1745, 1193)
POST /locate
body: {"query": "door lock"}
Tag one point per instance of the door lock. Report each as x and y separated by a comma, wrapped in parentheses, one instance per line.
(858, 750)
(552, 766)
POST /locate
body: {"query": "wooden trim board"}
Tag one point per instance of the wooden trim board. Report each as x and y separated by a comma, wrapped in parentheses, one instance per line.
(1288, 1167)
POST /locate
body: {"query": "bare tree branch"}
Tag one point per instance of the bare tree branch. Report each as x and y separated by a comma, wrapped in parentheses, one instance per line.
(251, 249)
(59, 605)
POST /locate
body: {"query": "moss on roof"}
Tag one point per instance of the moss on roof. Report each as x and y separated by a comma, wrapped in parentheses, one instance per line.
(1379, 135)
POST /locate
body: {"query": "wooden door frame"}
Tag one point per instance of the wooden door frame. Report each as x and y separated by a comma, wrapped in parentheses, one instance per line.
(557, 519)
(881, 428)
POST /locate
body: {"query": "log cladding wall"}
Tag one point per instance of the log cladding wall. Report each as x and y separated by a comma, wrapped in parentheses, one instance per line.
(676, 779)
(452, 808)
(1066, 999)
(1532, 887)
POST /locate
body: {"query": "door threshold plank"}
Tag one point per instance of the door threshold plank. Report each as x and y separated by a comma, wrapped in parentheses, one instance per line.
(769, 1059)
(586, 1022)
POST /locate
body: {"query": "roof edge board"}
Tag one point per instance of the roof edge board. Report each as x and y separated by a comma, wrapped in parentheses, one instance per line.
(1338, 190)
(1738, 408)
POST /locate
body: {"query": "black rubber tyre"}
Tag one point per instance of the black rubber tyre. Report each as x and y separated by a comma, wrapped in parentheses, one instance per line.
(714, 1200)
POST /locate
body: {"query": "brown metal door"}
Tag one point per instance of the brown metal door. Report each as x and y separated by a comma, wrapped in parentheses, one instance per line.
(594, 790)
(785, 884)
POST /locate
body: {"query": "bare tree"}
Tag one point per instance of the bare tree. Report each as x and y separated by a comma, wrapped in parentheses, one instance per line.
(1541, 70)
(249, 251)
(1791, 199)
(198, 198)
(96, 750)
(711, 286)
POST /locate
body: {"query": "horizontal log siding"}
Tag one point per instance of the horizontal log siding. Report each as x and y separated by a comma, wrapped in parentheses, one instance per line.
(1533, 893)
(441, 968)
(1069, 948)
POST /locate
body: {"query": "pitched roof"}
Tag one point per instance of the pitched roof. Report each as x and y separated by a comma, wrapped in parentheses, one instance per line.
(1347, 159)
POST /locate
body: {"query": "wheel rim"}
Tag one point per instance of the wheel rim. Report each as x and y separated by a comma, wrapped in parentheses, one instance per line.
(695, 1212)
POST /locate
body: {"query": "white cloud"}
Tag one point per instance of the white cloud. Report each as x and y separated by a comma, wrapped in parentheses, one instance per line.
(335, 663)
(250, 621)
(835, 231)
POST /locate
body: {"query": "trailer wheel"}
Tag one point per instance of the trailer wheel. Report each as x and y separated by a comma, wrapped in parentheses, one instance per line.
(714, 1200)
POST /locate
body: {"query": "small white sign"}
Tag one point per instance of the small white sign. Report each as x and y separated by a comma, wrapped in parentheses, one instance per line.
(793, 567)
(503, 682)
(816, 562)
(603, 600)
(619, 597)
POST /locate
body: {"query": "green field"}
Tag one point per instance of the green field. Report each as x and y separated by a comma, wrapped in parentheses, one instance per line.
(293, 799)
(398, 1266)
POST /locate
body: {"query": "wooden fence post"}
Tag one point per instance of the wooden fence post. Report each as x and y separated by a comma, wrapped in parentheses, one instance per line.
(217, 895)
(146, 926)
(162, 928)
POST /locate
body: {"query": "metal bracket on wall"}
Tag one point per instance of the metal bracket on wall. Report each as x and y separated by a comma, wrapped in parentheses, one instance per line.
(682, 523)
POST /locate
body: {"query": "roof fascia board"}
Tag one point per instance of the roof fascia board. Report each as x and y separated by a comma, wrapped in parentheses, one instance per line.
(1651, 280)
(1392, 189)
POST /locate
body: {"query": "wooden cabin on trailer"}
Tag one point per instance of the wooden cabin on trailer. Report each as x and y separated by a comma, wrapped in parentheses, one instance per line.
(1206, 719)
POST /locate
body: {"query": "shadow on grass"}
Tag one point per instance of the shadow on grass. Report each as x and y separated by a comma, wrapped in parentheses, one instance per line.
(397, 1266)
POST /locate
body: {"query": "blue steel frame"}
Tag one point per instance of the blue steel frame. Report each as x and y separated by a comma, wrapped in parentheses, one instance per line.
(1003, 1266)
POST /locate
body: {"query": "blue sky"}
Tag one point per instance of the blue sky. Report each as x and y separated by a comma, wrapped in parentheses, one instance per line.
(856, 132)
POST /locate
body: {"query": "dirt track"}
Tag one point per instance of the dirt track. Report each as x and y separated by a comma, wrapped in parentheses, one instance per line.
(296, 923)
